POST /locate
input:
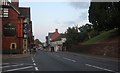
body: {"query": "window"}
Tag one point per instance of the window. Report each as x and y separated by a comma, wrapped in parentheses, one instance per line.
(3, 12)
(6, 10)
(13, 46)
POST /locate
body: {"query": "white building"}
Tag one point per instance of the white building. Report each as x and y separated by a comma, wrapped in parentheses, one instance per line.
(58, 42)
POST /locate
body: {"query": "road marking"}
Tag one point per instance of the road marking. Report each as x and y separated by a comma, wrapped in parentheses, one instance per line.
(33, 60)
(18, 69)
(12, 66)
(34, 64)
(69, 59)
(36, 68)
(100, 68)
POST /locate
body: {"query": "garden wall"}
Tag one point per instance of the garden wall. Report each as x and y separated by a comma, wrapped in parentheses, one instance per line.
(102, 49)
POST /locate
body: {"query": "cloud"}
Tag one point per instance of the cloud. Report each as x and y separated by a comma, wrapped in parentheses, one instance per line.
(65, 23)
(83, 15)
(80, 5)
(70, 22)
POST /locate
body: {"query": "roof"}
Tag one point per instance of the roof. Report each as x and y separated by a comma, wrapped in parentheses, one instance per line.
(7, 3)
(59, 37)
(50, 34)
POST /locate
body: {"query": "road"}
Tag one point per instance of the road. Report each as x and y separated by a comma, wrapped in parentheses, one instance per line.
(59, 61)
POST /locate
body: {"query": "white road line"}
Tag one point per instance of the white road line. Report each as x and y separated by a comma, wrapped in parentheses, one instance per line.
(33, 60)
(18, 69)
(36, 68)
(12, 66)
(100, 68)
(69, 59)
(34, 64)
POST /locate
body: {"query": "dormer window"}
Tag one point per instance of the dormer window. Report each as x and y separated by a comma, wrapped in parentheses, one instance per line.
(3, 12)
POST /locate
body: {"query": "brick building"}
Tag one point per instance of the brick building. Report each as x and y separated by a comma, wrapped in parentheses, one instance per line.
(27, 32)
(13, 22)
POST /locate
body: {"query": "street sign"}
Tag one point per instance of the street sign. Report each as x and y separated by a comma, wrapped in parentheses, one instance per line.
(9, 29)
(20, 28)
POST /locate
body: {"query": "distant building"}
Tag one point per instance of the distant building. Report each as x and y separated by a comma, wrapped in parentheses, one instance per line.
(55, 41)
(58, 42)
(27, 28)
(12, 22)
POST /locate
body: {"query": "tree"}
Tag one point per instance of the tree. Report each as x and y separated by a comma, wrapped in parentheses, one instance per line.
(86, 29)
(72, 35)
(104, 15)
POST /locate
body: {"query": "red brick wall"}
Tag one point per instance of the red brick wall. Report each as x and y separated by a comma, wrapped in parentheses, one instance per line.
(105, 49)
(6, 41)
(0, 34)
(13, 14)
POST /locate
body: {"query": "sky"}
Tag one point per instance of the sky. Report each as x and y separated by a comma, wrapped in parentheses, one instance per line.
(47, 16)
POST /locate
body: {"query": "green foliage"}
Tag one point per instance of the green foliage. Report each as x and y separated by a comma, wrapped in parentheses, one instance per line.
(87, 30)
(72, 35)
(104, 35)
(104, 15)
(75, 37)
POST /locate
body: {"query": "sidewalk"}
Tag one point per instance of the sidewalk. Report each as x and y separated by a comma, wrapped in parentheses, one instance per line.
(10, 56)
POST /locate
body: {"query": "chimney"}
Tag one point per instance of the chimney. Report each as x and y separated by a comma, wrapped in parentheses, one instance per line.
(15, 3)
(56, 30)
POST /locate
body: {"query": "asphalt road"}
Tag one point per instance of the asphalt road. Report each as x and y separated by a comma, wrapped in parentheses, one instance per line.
(59, 61)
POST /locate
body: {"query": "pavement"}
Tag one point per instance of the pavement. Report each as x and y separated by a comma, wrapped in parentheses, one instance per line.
(11, 56)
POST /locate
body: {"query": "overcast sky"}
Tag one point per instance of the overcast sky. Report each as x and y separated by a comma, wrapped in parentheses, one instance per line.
(47, 16)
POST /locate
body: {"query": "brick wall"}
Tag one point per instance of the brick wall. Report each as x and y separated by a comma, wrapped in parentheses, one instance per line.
(6, 41)
(0, 42)
(105, 49)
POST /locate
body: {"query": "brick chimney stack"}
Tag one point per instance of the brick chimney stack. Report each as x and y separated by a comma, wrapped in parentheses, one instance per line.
(56, 30)
(15, 3)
